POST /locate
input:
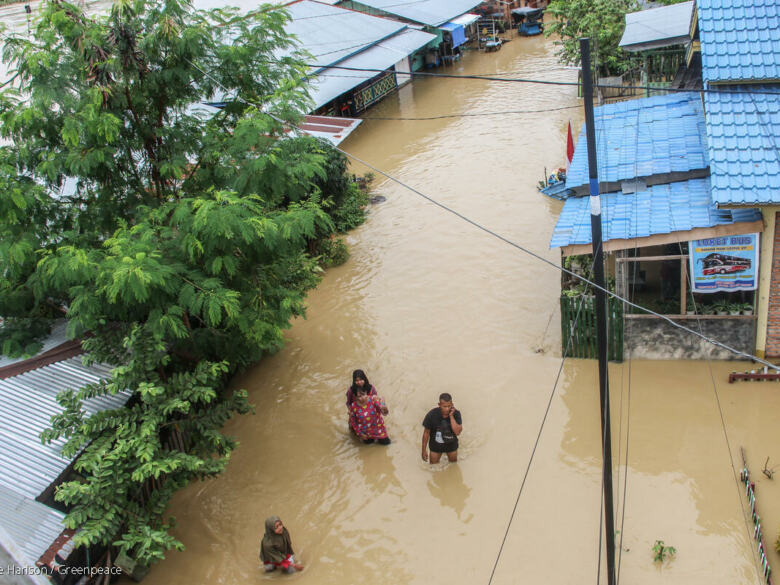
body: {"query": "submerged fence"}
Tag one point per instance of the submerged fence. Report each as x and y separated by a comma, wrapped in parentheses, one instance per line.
(582, 329)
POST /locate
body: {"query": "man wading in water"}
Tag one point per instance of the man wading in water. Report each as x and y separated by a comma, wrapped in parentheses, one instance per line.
(442, 427)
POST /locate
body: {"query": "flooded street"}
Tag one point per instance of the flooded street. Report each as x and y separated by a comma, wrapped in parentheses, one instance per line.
(428, 304)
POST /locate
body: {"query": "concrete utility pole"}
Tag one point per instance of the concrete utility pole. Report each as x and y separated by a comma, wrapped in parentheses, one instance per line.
(601, 306)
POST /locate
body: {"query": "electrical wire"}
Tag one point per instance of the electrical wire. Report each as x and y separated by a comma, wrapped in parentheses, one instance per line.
(723, 426)
(538, 438)
(470, 115)
(719, 89)
(632, 295)
(590, 283)
(510, 242)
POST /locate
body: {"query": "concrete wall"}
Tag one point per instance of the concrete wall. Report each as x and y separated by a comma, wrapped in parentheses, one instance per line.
(656, 339)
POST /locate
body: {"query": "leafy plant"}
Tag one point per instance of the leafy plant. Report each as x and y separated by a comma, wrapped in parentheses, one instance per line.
(333, 252)
(601, 20)
(574, 292)
(183, 250)
(20, 337)
(662, 552)
(721, 306)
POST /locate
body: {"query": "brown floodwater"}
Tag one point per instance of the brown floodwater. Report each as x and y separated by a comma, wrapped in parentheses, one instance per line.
(428, 304)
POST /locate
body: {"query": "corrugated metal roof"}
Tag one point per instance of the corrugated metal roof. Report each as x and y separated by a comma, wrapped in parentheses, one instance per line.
(743, 133)
(32, 525)
(331, 83)
(332, 129)
(407, 42)
(430, 12)
(658, 27)
(27, 403)
(336, 35)
(465, 19)
(332, 34)
(642, 138)
(661, 209)
(328, 32)
(55, 338)
(740, 40)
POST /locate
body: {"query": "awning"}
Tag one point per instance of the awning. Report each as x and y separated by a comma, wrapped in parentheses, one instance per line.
(331, 128)
(661, 214)
(466, 19)
(527, 11)
(456, 31)
(329, 84)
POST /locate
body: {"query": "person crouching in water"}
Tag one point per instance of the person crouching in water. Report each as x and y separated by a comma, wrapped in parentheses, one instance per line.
(365, 417)
(276, 549)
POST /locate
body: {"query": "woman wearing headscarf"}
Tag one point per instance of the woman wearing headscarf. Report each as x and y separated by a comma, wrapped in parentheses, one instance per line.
(276, 549)
(359, 382)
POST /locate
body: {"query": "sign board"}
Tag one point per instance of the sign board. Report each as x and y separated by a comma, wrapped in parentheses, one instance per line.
(728, 263)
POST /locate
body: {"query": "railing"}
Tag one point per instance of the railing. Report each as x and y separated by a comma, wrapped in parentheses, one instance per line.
(582, 329)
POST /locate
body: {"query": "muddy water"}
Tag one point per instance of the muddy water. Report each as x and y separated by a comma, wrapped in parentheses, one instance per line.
(428, 304)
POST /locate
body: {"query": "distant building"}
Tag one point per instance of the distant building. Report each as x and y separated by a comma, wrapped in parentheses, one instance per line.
(451, 21)
(740, 56)
(357, 59)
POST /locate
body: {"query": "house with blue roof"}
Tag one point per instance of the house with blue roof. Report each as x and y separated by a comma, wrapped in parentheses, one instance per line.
(739, 41)
(694, 174)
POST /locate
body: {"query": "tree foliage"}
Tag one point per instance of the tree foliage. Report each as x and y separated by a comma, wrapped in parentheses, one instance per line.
(603, 21)
(179, 242)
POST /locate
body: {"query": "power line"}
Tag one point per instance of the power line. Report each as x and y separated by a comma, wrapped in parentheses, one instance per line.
(538, 437)
(689, 280)
(514, 244)
(471, 115)
(632, 295)
(724, 90)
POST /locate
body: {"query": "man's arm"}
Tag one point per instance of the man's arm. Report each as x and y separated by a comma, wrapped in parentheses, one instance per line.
(456, 426)
(426, 436)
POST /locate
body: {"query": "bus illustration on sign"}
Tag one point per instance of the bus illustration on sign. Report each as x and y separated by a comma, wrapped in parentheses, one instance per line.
(723, 264)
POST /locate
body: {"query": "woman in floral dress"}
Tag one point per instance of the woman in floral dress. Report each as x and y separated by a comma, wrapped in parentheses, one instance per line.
(365, 417)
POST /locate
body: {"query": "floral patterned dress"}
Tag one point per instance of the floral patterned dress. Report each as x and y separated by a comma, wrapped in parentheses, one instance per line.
(367, 420)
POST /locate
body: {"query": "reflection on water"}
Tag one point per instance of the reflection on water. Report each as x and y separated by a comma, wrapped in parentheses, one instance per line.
(447, 486)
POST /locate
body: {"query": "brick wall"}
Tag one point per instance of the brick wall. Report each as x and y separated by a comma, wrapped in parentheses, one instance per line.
(773, 316)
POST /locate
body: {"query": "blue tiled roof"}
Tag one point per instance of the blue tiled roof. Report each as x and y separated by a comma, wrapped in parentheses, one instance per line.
(740, 40)
(642, 138)
(661, 209)
(743, 132)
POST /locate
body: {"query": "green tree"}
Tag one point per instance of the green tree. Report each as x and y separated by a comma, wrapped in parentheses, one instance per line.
(179, 242)
(603, 21)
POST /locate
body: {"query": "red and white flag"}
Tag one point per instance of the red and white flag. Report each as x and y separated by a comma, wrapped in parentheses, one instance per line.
(569, 148)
